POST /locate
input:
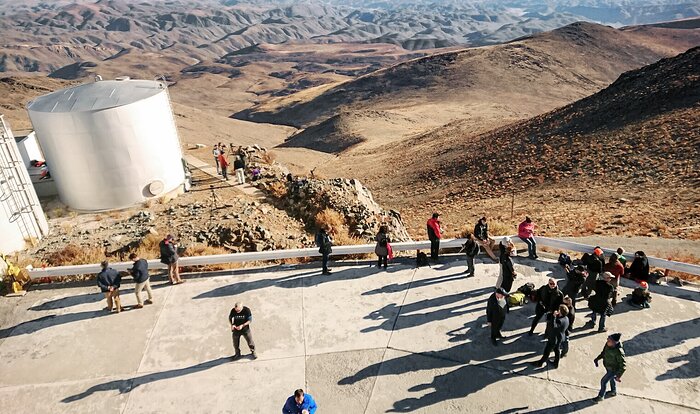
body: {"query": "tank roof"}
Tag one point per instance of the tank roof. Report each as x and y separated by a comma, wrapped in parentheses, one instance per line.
(95, 96)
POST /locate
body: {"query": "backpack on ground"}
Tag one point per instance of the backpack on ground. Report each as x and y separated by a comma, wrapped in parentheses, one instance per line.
(421, 259)
(527, 289)
(516, 299)
(564, 259)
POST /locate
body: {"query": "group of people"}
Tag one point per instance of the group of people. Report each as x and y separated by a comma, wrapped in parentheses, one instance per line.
(222, 163)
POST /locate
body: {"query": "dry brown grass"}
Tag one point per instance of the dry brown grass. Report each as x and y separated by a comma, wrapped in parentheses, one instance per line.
(268, 158)
(278, 189)
(201, 249)
(331, 218)
(590, 225)
(75, 255)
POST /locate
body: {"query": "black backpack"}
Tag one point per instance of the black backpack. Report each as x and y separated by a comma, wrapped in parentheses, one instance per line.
(527, 289)
(383, 241)
(422, 259)
(564, 259)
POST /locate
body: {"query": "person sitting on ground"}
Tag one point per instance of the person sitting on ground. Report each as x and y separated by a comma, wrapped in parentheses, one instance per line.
(141, 279)
(507, 270)
(621, 257)
(255, 173)
(434, 235)
(574, 280)
(526, 232)
(613, 357)
(300, 403)
(496, 310)
(325, 246)
(641, 297)
(594, 265)
(109, 280)
(382, 247)
(572, 318)
(600, 302)
(617, 270)
(481, 232)
(559, 325)
(639, 270)
(471, 249)
(549, 297)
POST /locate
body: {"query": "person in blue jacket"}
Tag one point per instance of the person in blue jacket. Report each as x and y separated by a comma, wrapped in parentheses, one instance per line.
(109, 280)
(300, 403)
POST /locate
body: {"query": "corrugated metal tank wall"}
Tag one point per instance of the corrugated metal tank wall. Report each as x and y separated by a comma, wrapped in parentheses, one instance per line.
(105, 157)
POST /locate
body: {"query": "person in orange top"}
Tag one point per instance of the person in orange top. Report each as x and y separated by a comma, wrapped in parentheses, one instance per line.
(434, 234)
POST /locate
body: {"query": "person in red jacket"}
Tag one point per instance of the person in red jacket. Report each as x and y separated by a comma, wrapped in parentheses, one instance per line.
(223, 164)
(617, 270)
(434, 234)
(526, 232)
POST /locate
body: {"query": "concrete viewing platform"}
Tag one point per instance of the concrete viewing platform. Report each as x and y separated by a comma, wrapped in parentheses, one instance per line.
(360, 341)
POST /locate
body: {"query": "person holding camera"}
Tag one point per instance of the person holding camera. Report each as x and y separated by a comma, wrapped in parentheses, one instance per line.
(169, 256)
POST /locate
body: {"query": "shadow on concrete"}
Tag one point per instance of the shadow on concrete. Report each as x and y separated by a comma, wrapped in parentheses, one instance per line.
(398, 287)
(569, 407)
(127, 385)
(408, 319)
(662, 337)
(86, 298)
(49, 321)
(690, 369)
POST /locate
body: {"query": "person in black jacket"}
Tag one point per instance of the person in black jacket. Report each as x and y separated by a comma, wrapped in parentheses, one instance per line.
(507, 275)
(574, 280)
(471, 249)
(239, 169)
(109, 280)
(496, 310)
(549, 297)
(639, 270)
(325, 244)
(594, 264)
(481, 233)
(559, 324)
(168, 256)
(141, 279)
(600, 302)
(572, 318)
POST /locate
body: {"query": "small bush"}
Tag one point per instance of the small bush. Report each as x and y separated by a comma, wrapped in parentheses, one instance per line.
(75, 255)
(590, 225)
(278, 189)
(333, 219)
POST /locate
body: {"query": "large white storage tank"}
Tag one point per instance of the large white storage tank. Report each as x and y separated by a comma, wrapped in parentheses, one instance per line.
(109, 144)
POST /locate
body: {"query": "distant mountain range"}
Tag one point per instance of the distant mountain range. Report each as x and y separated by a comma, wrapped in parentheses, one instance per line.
(40, 36)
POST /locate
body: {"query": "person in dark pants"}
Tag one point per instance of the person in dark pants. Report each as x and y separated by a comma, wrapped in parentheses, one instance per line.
(613, 357)
(325, 246)
(549, 297)
(240, 318)
(434, 235)
(572, 318)
(223, 164)
(507, 274)
(526, 232)
(481, 233)
(575, 278)
(594, 264)
(471, 249)
(600, 302)
(496, 310)
(382, 247)
(109, 281)
(559, 324)
(639, 270)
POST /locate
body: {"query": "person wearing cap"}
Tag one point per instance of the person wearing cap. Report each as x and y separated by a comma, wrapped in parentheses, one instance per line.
(594, 264)
(168, 256)
(617, 270)
(109, 280)
(641, 297)
(141, 279)
(300, 403)
(507, 273)
(558, 326)
(526, 232)
(239, 319)
(434, 235)
(600, 302)
(549, 297)
(496, 310)
(575, 278)
(481, 232)
(572, 318)
(613, 356)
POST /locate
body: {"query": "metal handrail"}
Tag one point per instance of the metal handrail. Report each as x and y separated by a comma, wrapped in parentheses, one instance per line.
(338, 251)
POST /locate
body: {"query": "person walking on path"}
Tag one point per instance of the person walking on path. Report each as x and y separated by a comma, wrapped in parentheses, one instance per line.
(240, 318)
(471, 249)
(382, 247)
(216, 152)
(613, 356)
(239, 168)
(142, 280)
(549, 298)
(507, 270)
(325, 246)
(526, 232)
(168, 256)
(496, 310)
(300, 403)
(109, 280)
(223, 164)
(559, 324)
(600, 302)
(434, 235)
(481, 232)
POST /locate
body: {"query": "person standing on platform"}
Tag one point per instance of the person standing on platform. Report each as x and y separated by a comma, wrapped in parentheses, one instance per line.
(434, 235)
